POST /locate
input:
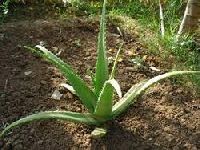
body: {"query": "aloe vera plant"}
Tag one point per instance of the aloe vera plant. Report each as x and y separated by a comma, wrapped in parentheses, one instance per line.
(98, 101)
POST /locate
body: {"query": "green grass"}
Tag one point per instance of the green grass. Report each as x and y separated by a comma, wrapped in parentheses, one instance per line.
(4, 10)
(185, 52)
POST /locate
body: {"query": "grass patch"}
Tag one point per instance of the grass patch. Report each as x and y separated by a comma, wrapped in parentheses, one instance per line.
(139, 18)
(184, 54)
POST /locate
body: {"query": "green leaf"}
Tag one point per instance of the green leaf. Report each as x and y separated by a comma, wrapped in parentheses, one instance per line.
(61, 115)
(136, 90)
(101, 75)
(116, 86)
(85, 94)
(104, 103)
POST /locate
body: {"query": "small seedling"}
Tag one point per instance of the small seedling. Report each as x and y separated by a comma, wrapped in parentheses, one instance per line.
(98, 101)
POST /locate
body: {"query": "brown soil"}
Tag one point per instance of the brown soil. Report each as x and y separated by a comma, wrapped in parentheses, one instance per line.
(165, 117)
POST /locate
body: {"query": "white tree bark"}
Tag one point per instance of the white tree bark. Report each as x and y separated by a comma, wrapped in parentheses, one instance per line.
(162, 26)
(191, 17)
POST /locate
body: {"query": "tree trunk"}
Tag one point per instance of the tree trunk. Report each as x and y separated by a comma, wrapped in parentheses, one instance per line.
(191, 17)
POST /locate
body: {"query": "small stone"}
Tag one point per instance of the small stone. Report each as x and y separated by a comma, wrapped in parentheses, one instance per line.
(43, 82)
(68, 87)
(87, 53)
(144, 57)
(130, 53)
(120, 60)
(169, 137)
(121, 71)
(42, 43)
(130, 68)
(110, 60)
(27, 73)
(182, 120)
(166, 129)
(55, 49)
(88, 77)
(111, 50)
(40, 142)
(56, 95)
(150, 139)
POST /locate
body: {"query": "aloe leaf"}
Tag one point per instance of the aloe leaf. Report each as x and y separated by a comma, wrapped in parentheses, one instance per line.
(104, 103)
(136, 90)
(101, 75)
(85, 94)
(116, 86)
(61, 115)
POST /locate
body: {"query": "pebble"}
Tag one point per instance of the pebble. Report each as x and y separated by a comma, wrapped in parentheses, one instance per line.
(56, 95)
(27, 73)
(40, 142)
(43, 82)
(121, 71)
(130, 53)
(130, 68)
(169, 137)
(87, 53)
(166, 129)
(88, 77)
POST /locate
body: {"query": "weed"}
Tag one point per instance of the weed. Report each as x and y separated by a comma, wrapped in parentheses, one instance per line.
(4, 10)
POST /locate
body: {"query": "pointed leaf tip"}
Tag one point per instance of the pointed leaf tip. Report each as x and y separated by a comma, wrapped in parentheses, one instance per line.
(116, 86)
(61, 115)
(101, 75)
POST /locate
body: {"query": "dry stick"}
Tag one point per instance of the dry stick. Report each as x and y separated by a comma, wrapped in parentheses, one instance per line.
(162, 27)
(120, 32)
(5, 86)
